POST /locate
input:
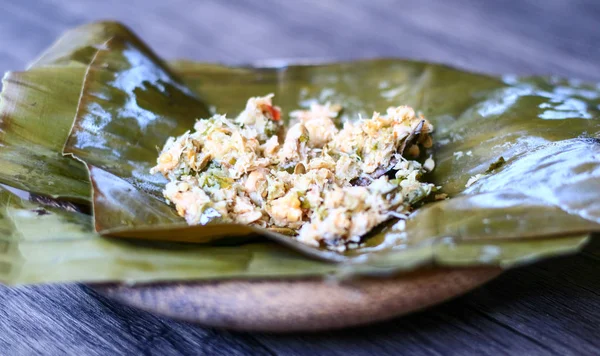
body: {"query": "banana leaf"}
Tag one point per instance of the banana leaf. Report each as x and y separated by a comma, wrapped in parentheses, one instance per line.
(37, 108)
(127, 94)
(41, 243)
(545, 130)
(541, 202)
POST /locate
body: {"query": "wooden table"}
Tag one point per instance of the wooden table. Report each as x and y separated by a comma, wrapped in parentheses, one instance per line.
(550, 308)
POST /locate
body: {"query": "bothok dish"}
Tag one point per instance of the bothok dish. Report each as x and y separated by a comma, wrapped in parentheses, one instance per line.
(328, 186)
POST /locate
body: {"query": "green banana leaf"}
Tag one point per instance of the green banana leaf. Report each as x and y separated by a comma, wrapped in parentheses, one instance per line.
(37, 108)
(37, 111)
(127, 93)
(545, 129)
(542, 201)
(46, 244)
(42, 244)
(478, 118)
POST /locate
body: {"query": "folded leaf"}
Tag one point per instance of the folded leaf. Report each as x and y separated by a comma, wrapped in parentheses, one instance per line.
(542, 201)
(41, 244)
(129, 103)
(478, 119)
(37, 108)
(45, 244)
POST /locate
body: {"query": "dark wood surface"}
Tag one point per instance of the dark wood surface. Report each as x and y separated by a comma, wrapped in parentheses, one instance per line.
(550, 308)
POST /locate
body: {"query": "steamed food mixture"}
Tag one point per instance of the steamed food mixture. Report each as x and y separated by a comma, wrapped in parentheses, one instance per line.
(328, 185)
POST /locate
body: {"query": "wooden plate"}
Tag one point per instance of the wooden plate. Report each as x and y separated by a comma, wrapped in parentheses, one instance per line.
(299, 305)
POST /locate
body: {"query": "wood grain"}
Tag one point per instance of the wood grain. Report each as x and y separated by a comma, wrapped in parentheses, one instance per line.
(550, 308)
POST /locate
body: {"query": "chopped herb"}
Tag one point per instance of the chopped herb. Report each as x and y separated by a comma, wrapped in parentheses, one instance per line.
(304, 138)
(499, 163)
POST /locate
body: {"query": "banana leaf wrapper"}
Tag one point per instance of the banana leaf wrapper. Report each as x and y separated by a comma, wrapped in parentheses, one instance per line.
(541, 202)
(46, 242)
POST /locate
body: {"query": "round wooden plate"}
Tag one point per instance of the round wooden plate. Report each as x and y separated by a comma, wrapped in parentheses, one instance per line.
(299, 305)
